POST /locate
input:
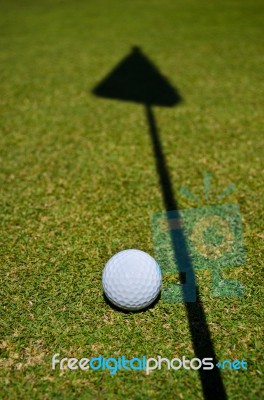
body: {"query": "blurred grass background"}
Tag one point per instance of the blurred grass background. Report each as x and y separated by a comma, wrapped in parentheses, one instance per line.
(78, 183)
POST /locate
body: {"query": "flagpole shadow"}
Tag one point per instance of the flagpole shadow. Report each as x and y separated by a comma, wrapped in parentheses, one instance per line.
(212, 384)
(136, 79)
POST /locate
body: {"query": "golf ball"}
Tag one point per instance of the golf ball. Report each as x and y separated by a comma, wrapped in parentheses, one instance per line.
(132, 279)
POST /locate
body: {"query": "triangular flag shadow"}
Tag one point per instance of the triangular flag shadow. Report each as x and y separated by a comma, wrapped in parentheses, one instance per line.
(136, 79)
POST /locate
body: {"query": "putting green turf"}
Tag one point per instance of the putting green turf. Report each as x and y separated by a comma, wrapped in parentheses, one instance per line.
(78, 183)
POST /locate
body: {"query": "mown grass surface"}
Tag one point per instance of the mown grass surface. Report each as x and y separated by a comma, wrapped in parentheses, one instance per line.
(78, 183)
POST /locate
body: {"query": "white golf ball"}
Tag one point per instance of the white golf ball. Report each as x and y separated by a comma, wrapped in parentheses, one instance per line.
(132, 279)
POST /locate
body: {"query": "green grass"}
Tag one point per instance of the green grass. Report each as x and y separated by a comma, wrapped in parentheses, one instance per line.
(78, 183)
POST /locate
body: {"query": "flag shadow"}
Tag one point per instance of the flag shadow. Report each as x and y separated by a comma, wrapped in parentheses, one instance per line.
(137, 79)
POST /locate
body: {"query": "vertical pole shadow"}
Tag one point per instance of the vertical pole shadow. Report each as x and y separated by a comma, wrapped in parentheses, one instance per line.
(212, 384)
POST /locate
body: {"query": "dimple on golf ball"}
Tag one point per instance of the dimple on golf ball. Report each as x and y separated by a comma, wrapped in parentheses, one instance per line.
(132, 279)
